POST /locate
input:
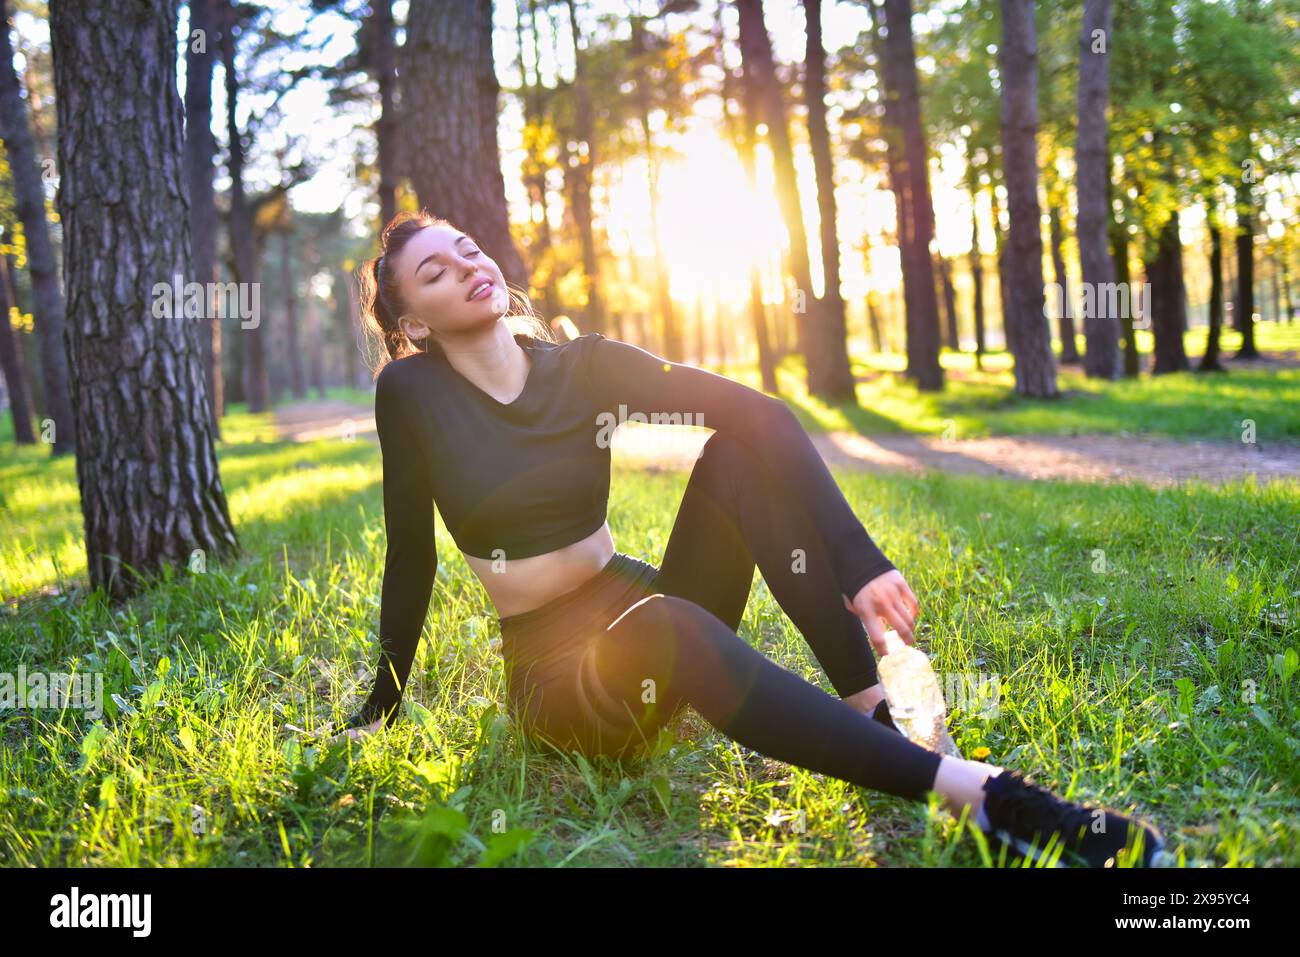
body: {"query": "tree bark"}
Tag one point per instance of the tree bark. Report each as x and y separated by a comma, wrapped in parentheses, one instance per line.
(949, 304)
(200, 158)
(311, 319)
(449, 98)
(910, 179)
(16, 381)
(1123, 277)
(580, 175)
(1165, 273)
(1101, 331)
(759, 70)
(1286, 285)
(1276, 285)
(873, 320)
(294, 353)
(1244, 310)
(344, 305)
(1210, 361)
(47, 297)
(243, 243)
(1031, 342)
(387, 144)
(977, 281)
(151, 492)
(837, 382)
(1065, 321)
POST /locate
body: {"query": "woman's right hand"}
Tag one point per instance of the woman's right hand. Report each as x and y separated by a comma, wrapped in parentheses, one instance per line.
(886, 597)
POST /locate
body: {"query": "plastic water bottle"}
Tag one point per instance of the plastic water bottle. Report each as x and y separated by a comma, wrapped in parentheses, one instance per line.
(916, 703)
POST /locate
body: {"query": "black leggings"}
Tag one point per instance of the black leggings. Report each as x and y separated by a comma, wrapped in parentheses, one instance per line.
(601, 668)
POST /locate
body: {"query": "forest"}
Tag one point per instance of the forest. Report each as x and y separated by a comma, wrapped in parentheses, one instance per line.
(1027, 273)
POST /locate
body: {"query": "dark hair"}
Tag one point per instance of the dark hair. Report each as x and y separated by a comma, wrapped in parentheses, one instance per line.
(381, 299)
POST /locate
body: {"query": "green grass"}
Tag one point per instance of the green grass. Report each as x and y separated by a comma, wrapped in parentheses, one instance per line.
(1166, 682)
(1182, 405)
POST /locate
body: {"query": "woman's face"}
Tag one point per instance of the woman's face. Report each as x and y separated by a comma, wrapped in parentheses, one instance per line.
(440, 269)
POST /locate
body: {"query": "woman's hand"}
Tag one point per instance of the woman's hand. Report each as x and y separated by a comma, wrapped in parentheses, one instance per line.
(886, 596)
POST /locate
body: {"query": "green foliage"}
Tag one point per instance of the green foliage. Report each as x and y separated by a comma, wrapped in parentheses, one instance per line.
(1165, 683)
(1188, 405)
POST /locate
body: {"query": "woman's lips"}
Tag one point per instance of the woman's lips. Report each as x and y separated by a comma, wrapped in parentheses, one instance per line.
(483, 290)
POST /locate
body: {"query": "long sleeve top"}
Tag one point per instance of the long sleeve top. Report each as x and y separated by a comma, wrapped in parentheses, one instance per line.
(527, 477)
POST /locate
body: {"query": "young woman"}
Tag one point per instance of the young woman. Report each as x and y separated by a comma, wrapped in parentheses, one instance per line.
(502, 430)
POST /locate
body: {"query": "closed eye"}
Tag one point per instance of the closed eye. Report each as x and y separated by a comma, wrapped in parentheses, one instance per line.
(474, 252)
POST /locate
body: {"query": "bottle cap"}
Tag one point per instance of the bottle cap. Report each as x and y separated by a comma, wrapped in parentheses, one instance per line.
(893, 641)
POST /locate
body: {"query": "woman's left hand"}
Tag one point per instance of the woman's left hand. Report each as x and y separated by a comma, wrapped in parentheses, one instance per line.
(886, 596)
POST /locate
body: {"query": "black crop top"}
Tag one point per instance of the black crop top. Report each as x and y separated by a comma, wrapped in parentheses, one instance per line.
(530, 476)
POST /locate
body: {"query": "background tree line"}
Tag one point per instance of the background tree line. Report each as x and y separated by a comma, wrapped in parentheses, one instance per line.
(154, 141)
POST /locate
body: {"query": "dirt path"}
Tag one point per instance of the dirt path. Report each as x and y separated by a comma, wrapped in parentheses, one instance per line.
(322, 419)
(1151, 460)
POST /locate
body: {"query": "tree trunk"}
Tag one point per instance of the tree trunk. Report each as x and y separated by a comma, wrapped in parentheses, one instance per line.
(1101, 331)
(977, 281)
(541, 252)
(311, 320)
(1124, 279)
(449, 99)
(16, 381)
(759, 70)
(910, 179)
(1210, 361)
(1035, 365)
(316, 349)
(243, 244)
(837, 383)
(294, 353)
(343, 294)
(1244, 311)
(1165, 273)
(387, 144)
(1275, 275)
(999, 251)
(906, 251)
(873, 320)
(949, 304)
(47, 297)
(200, 158)
(580, 175)
(151, 493)
(1286, 286)
(1065, 321)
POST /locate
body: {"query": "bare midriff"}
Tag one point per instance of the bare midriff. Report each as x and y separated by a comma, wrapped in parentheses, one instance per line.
(522, 584)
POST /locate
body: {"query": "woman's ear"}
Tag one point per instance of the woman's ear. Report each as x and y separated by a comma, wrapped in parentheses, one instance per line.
(415, 329)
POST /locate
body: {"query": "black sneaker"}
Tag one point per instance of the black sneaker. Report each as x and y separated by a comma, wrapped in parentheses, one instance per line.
(1036, 823)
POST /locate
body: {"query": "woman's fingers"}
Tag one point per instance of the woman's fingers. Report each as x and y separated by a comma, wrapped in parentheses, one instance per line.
(898, 616)
(877, 634)
(911, 600)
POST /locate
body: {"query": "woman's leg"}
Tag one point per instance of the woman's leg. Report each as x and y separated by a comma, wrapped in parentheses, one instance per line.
(664, 651)
(735, 514)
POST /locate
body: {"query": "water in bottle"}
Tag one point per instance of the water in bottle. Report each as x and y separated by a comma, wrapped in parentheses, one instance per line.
(916, 703)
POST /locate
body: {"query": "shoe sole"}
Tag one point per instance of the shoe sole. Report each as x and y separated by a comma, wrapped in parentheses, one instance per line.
(1159, 856)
